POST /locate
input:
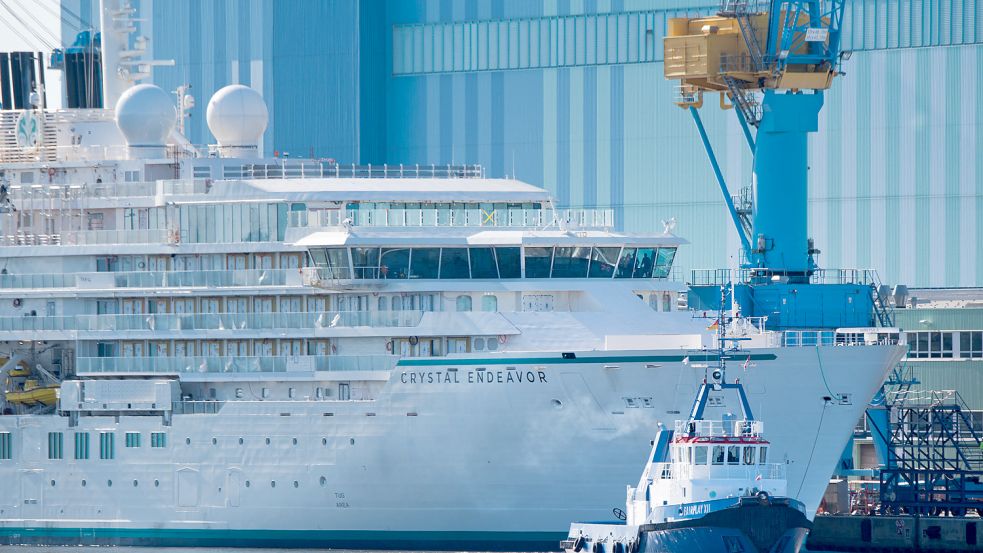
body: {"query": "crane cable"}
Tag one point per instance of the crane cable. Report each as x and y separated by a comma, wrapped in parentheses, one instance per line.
(40, 38)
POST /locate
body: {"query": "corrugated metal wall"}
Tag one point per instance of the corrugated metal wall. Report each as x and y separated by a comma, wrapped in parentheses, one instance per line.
(896, 183)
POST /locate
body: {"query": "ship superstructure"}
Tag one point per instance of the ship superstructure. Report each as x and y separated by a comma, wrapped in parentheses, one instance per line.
(205, 346)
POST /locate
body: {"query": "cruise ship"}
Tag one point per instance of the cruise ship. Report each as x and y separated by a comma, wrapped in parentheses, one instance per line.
(204, 346)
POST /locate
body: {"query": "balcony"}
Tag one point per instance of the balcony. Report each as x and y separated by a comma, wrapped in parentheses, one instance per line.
(232, 364)
(158, 322)
(90, 237)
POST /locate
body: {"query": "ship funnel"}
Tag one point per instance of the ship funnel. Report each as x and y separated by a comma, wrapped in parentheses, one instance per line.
(146, 116)
(237, 117)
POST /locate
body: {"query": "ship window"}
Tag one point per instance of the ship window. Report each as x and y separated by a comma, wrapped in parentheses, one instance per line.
(749, 455)
(718, 454)
(700, 456)
(644, 260)
(763, 455)
(602, 262)
(663, 262)
(733, 455)
(479, 344)
(366, 262)
(81, 445)
(336, 263)
(454, 263)
(6, 446)
(383, 303)
(132, 439)
(464, 303)
(56, 441)
(571, 262)
(425, 263)
(395, 263)
(107, 445)
(509, 265)
(626, 263)
(158, 439)
(538, 262)
(483, 263)
(489, 303)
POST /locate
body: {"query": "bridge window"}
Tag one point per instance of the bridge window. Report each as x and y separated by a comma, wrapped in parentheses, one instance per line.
(762, 455)
(366, 262)
(700, 455)
(749, 455)
(538, 262)
(454, 263)
(626, 264)
(509, 264)
(603, 262)
(663, 262)
(644, 261)
(425, 263)
(483, 263)
(733, 455)
(718, 454)
(395, 263)
(571, 262)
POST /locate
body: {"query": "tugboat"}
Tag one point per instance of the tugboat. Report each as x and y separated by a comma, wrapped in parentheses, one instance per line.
(707, 487)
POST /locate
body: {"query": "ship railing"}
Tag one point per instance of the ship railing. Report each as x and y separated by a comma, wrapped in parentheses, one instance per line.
(565, 219)
(160, 322)
(688, 471)
(725, 277)
(320, 169)
(162, 365)
(719, 428)
(816, 338)
(90, 237)
(153, 279)
(73, 191)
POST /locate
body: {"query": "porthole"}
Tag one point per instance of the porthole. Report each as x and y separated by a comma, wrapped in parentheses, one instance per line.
(240, 441)
(324, 481)
(492, 344)
(557, 404)
(247, 483)
(267, 441)
(353, 441)
(156, 483)
(187, 441)
(296, 484)
(479, 344)
(272, 483)
(109, 483)
(324, 441)
(83, 483)
(295, 441)
(135, 483)
(52, 483)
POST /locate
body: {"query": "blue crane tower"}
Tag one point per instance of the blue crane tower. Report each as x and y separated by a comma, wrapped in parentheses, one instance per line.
(770, 61)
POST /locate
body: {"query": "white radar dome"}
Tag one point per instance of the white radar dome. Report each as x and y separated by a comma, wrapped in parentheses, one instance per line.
(237, 117)
(146, 116)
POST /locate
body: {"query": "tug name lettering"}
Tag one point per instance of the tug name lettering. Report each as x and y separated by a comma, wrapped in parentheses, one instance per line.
(473, 377)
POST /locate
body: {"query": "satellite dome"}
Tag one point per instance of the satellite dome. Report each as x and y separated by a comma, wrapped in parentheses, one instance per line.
(146, 116)
(237, 117)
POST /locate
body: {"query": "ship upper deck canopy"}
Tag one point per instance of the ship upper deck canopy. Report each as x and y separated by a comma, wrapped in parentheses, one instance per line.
(379, 190)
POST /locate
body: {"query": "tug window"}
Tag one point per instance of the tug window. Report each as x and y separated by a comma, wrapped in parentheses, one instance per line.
(763, 456)
(749, 455)
(718, 454)
(701, 455)
(733, 455)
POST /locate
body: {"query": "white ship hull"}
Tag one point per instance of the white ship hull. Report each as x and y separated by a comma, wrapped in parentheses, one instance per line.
(503, 453)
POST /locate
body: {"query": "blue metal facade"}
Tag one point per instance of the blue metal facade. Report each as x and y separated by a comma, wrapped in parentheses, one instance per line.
(569, 94)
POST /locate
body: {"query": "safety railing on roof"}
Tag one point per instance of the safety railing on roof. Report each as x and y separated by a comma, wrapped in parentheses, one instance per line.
(304, 169)
(567, 219)
(90, 237)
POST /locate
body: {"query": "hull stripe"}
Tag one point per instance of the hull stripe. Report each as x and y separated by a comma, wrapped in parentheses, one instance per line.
(442, 361)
